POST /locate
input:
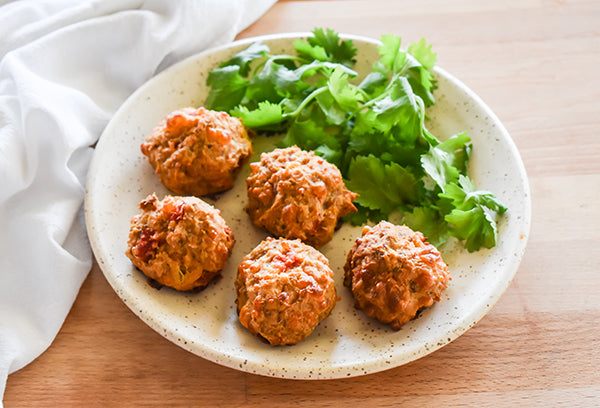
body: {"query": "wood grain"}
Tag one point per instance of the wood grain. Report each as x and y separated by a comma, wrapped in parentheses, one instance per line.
(535, 63)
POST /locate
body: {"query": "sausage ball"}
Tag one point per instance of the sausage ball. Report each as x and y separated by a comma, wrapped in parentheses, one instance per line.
(197, 151)
(284, 289)
(295, 194)
(393, 273)
(181, 242)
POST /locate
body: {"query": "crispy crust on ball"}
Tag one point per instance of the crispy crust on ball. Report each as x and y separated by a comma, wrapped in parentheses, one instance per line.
(295, 194)
(284, 289)
(393, 272)
(197, 151)
(181, 242)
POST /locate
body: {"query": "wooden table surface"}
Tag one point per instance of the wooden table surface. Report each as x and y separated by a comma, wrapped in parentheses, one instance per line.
(536, 63)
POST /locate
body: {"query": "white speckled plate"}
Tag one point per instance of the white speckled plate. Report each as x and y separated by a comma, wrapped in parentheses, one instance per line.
(347, 343)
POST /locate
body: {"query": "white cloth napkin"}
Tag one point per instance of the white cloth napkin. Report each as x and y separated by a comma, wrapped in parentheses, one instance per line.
(65, 67)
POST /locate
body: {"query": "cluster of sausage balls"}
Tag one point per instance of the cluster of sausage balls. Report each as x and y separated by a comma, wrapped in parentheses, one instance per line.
(284, 286)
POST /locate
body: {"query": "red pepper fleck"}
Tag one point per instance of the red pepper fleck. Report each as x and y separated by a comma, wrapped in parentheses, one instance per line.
(147, 244)
(177, 213)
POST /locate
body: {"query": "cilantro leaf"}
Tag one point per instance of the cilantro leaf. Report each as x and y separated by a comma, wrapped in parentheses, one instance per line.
(342, 51)
(309, 135)
(273, 83)
(363, 215)
(345, 94)
(423, 84)
(459, 149)
(404, 110)
(333, 156)
(430, 222)
(475, 226)
(265, 116)
(310, 52)
(227, 88)
(464, 196)
(398, 111)
(334, 112)
(373, 84)
(243, 58)
(445, 162)
(423, 53)
(472, 217)
(436, 164)
(421, 60)
(392, 56)
(384, 187)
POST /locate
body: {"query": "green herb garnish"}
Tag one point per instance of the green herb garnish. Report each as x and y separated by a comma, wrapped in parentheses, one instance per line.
(371, 128)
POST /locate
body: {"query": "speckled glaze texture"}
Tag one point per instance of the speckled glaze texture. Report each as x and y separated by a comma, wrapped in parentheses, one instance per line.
(347, 343)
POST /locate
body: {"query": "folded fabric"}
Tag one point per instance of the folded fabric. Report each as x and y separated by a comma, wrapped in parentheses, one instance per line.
(65, 67)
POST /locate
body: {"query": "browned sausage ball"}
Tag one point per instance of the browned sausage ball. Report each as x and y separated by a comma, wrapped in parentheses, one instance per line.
(197, 151)
(393, 273)
(295, 194)
(284, 289)
(181, 242)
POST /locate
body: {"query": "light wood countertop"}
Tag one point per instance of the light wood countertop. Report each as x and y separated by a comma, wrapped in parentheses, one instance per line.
(536, 63)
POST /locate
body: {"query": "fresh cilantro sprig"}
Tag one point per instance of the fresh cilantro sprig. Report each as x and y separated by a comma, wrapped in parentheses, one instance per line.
(372, 128)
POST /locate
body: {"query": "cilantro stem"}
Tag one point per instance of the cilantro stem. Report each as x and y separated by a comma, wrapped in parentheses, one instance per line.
(284, 57)
(306, 101)
(383, 94)
(272, 58)
(374, 100)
